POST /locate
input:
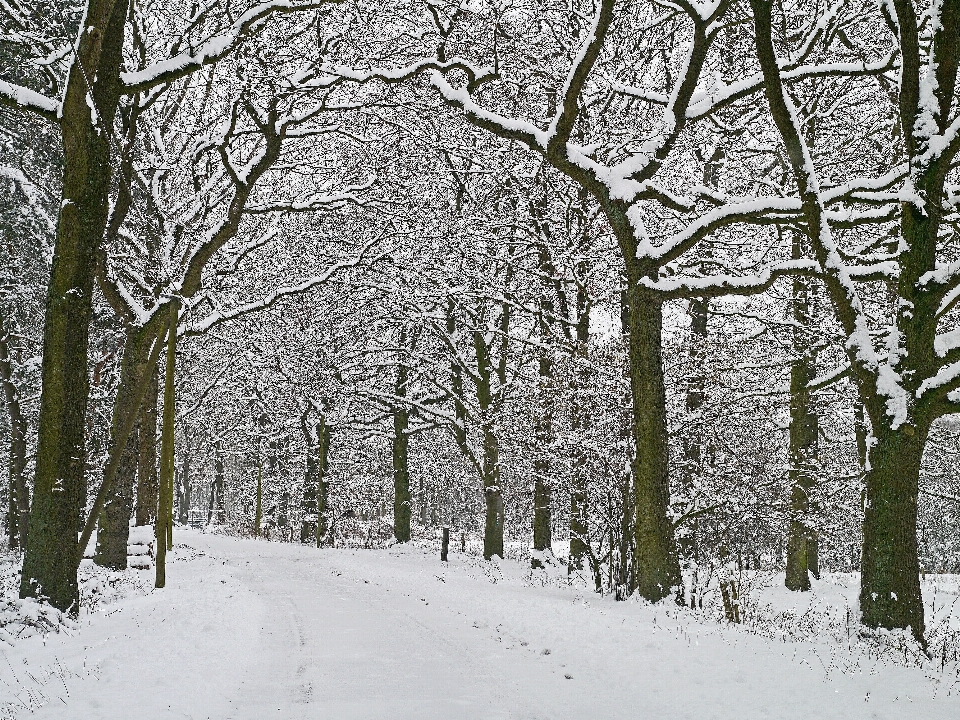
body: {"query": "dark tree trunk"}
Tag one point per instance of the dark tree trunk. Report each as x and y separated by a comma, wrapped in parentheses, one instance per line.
(183, 505)
(113, 524)
(220, 515)
(580, 419)
(802, 536)
(164, 528)
(401, 468)
(19, 511)
(493, 496)
(890, 568)
(696, 395)
(655, 551)
(49, 566)
(692, 469)
(148, 482)
(258, 509)
(544, 440)
(490, 463)
(323, 481)
(308, 528)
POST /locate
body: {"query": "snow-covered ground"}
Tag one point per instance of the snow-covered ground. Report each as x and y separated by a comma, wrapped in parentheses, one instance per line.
(250, 629)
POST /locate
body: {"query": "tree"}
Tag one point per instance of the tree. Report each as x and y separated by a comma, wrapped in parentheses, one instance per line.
(906, 380)
(92, 92)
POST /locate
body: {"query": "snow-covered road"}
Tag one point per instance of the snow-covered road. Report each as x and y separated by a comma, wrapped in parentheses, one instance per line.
(256, 630)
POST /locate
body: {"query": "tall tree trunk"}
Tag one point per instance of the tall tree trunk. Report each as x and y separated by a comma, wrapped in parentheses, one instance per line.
(692, 443)
(183, 516)
(580, 419)
(655, 550)
(218, 508)
(113, 524)
(693, 440)
(323, 482)
(890, 568)
(802, 536)
(167, 452)
(19, 493)
(49, 565)
(401, 467)
(258, 509)
(308, 528)
(148, 483)
(544, 440)
(490, 464)
(493, 495)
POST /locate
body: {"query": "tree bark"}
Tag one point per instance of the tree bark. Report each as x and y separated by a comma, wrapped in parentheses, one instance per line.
(544, 437)
(308, 528)
(148, 482)
(890, 568)
(258, 509)
(580, 420)
(493, 496)
(655, 551)
(401, 467)
(692, 443)
(802, 536)
(323, 483)
(19, 517)
(218, 509)
(167, 453)
(49, 566)
(183, 516)
(113, 524)
(490, 464)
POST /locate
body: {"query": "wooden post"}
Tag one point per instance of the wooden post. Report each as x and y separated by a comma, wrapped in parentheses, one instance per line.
(445, 547)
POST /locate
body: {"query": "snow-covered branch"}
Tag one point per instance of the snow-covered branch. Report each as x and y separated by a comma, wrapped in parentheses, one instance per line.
(213, 49)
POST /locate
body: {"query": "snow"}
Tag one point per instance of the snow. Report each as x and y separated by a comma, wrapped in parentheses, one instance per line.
(28, 99)
(251, 629)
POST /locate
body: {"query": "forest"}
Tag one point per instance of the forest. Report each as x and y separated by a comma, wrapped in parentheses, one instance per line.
(651, 306)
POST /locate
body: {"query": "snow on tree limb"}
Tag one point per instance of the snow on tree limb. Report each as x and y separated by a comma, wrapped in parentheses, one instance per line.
(213, 49)
(21, 98)
(218, 317)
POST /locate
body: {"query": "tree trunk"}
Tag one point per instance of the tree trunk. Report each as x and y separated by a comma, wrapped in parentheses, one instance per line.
(183, 515)
(308, 528)
(220, 515)
(544, 437)
(692, 443)
(113, 524)
(580, 420)
(167, 453)
(802, 537)
(323, 483)
(493, 496)
(148, 483)
(490, 464)
(890, 569)
(401, 468)
(693, 439)
(258, 509)
(655, 551)
(49, 565)
(19, 493)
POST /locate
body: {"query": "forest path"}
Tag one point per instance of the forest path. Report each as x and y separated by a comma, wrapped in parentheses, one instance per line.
(251, 630)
